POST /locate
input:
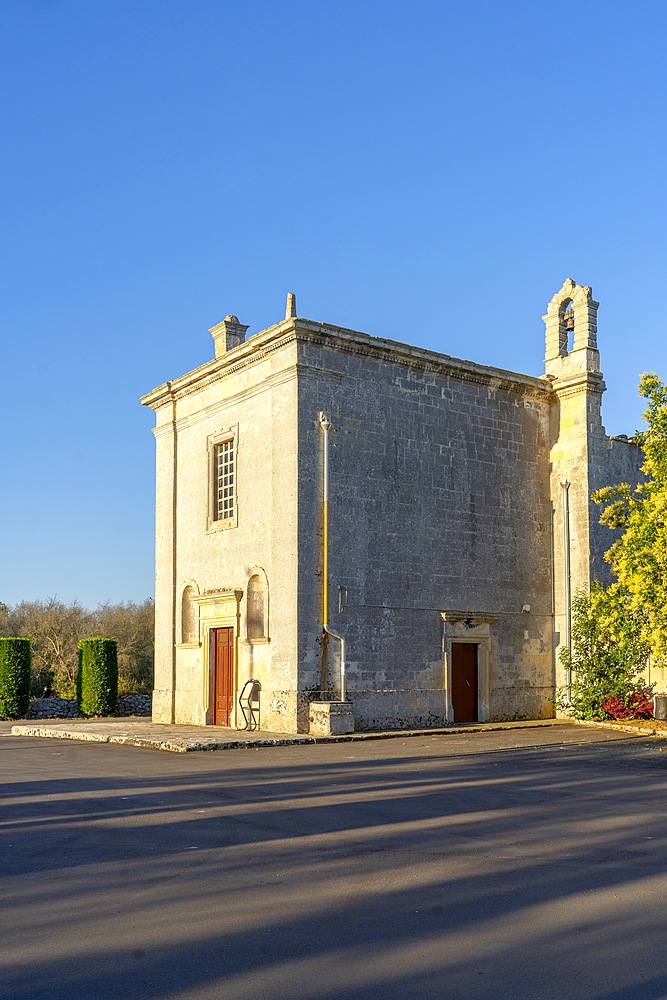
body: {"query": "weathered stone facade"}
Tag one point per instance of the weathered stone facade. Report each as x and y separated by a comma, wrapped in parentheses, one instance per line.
(445, 522)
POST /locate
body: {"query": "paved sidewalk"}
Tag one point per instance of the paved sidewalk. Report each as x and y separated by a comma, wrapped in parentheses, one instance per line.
(184, 739)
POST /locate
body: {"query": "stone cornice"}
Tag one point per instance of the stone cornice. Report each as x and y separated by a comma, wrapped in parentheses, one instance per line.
(579, 383)
(250, 353)
(422, 360)
(307, 332)
(213, 595)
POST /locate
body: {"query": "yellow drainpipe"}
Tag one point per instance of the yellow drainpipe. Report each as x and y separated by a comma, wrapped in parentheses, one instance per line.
(325, 424)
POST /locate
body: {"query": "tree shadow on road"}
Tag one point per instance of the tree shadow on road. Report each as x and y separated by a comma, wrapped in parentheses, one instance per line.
(537, 873)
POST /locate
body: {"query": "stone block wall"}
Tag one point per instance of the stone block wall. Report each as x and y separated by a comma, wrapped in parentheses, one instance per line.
(615, 460)
(439, 498)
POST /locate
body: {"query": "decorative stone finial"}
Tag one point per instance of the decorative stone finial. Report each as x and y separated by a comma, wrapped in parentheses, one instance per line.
(228, 334)
(290, 308)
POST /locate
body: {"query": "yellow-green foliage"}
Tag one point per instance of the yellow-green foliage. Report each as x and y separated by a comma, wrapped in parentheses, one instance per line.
(608, 652)
(639, 557)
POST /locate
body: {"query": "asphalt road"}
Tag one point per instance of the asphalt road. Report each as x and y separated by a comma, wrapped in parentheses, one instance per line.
(520, 864)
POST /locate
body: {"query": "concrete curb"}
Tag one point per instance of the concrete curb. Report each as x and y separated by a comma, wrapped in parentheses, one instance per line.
(173, 744)
(635, 730)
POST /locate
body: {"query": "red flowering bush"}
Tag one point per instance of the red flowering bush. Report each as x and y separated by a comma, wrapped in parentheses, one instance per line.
(637, 705)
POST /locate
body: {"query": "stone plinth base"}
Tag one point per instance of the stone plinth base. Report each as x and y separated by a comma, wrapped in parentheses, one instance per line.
(330, 718)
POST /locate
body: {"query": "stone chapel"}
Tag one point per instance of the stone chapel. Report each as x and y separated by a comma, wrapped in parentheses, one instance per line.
(382, 536)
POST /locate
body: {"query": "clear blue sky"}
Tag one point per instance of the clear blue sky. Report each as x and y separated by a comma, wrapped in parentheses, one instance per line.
(426, 171)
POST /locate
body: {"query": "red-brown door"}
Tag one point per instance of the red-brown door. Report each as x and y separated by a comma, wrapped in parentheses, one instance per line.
(224, 676)
(464, 681)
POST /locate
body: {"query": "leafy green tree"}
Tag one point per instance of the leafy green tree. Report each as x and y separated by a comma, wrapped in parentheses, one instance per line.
(639, 556)
(608, 651)
(133, 625)
(54, 630)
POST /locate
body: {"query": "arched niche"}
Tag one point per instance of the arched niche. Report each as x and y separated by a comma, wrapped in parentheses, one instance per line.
(189, 616)
(257, 606)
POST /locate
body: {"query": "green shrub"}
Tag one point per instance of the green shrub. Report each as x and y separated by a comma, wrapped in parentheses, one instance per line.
(14, 677)
(97, 678)
(608, 652)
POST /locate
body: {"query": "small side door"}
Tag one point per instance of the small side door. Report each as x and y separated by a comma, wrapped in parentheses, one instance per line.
(464, 681)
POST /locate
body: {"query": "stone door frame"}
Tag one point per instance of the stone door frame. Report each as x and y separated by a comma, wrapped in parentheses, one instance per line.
(463, 626)
(219, 609)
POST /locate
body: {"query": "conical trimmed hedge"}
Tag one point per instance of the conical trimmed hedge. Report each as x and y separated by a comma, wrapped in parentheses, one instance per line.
(97, 679)
(14, 677)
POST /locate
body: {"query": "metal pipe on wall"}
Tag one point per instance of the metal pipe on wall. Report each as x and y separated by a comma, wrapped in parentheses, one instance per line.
(174, 532)
(238, 594)
(325, 425)
(565, 485)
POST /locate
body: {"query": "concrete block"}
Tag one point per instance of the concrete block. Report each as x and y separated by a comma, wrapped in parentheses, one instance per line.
(330, 718)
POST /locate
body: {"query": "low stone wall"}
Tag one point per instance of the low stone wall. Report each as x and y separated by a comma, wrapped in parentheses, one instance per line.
(52, 708)
(60, 708)
(134, 704)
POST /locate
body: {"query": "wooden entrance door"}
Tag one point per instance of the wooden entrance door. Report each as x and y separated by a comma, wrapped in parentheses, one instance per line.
(224, 675)
(464, 681)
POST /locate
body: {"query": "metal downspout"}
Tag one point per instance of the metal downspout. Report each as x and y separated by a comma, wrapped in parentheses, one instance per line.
(566, 572)
(325, 424)
(174, 550)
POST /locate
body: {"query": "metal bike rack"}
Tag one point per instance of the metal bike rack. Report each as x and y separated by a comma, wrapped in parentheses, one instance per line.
(249, 703)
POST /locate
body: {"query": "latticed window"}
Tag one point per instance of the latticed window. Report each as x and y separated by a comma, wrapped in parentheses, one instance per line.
(224, 492)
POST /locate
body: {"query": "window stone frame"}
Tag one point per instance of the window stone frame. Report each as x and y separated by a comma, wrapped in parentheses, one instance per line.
(213, 440)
